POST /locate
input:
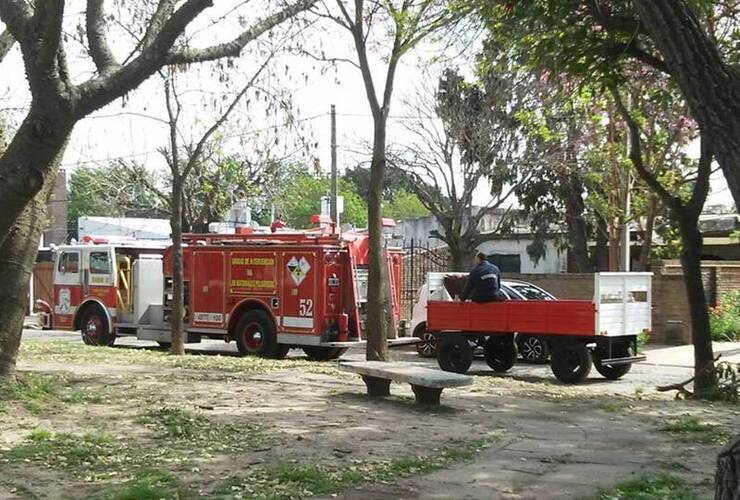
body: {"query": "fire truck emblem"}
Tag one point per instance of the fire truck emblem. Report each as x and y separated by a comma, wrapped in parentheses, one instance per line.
(298, 269)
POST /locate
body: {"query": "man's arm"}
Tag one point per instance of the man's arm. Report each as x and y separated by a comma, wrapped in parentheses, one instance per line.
(468, 285)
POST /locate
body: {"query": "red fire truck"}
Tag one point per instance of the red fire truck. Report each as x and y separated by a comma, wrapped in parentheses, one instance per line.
(267, 291)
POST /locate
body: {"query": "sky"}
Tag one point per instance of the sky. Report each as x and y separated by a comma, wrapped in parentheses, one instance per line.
(131, 128)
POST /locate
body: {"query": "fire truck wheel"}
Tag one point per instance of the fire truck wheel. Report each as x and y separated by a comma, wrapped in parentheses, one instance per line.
(454, 353)
(317, 353)
(500, 352)
(570, 362)
(95, 328)
(255, 335)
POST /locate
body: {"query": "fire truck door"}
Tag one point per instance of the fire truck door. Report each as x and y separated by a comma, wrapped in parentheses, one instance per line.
(67, 287)
(207, 289)
(299, 293)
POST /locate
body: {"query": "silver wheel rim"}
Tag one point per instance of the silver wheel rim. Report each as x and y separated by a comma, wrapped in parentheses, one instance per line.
(532, 349)
(428, 344)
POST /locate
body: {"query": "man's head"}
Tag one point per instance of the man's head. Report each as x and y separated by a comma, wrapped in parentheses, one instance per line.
(480, 257)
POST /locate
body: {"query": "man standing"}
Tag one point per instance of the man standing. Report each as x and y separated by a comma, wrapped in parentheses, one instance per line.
(484, 281)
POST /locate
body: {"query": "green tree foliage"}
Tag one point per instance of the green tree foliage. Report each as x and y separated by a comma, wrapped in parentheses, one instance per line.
(111, 191)
(299, 198)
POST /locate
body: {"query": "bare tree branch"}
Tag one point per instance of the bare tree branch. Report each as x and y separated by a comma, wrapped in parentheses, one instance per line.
(161, 14)
(16, 15)
(235, 46)
(97, 38)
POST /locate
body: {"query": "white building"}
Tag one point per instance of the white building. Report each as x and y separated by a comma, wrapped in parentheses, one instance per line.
(133, 227)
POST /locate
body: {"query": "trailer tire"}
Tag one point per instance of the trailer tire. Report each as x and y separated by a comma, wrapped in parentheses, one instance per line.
(454, 353)
(94, 327)
(612, 372)
(500, 352)
(570, 362)
(318, 353)
(255, 335)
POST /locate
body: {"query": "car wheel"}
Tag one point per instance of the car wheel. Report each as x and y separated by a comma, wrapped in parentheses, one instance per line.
(427, 348)
(570, 362)
(533, 349)
(454, 353)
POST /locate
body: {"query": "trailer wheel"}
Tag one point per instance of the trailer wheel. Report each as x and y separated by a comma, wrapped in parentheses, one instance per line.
(454, 353)
(570, 362)
(255, 335)
(427, 348)
(533, 349)
(612, 372)
(318, 353)
(95, 329)
(500, 352)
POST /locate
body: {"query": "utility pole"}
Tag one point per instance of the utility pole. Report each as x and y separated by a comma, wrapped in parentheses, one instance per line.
(627, 200)
(613, 242)
(334, 213)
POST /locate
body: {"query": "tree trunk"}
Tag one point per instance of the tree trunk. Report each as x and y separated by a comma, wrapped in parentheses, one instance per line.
(647, 237)
(578, 260)
(601, 250)
(727, 477)
(178, 285)
(379, 311)
(691, 241)
(30, 158)
(710, 86)
(461, 255)
(17, 255)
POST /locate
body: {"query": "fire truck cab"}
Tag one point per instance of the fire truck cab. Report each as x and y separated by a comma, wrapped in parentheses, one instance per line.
(267, 291)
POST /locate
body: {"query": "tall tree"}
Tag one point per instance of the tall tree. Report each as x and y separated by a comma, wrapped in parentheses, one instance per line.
(28, 165)
(401, 25)
(472, 143)
(686, 213)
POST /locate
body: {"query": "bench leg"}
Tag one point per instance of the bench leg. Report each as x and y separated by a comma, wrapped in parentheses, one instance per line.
(426, 395)
(377, 387)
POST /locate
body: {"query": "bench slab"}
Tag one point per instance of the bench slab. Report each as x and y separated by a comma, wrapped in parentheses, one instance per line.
(407, 372)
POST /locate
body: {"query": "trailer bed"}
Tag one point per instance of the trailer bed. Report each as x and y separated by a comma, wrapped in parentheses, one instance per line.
(544, 317)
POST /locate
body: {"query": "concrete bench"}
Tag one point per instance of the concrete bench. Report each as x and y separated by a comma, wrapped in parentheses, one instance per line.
(427, 383)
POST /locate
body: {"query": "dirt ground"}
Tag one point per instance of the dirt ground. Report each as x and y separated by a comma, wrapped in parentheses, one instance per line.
(291, 429)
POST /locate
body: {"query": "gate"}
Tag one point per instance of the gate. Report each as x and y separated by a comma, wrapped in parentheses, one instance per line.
(420, 259)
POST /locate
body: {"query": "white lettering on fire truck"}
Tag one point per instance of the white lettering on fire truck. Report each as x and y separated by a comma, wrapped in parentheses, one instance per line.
(203, 317)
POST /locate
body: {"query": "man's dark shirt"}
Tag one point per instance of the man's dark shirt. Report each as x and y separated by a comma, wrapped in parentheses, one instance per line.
(483, 284)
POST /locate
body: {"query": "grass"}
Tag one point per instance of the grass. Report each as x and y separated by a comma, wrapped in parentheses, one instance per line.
(149, 484)
(290, 481)
(696, 430)
(73, 353)
(661, 487)
(39, 394)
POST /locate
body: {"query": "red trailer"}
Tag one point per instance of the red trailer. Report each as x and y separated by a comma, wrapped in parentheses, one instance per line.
(603, 330)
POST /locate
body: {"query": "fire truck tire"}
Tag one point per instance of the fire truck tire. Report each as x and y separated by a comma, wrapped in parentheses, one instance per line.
(500, 352)
(454, 353)
(570, 362)
(255, 335)
(317, 353)
(611, 372)
(94, 326)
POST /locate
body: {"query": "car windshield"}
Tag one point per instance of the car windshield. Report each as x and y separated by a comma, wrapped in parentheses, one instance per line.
(531, 292)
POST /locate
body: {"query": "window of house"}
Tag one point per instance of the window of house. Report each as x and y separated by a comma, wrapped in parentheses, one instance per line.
(507, 263)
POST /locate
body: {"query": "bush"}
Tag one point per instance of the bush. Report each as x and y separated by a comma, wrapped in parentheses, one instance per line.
(724, 320)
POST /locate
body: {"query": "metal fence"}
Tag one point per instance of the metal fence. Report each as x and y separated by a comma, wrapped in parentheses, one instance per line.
(419, 259)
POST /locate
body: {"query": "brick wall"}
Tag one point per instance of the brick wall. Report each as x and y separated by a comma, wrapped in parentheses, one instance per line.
(57, 212)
